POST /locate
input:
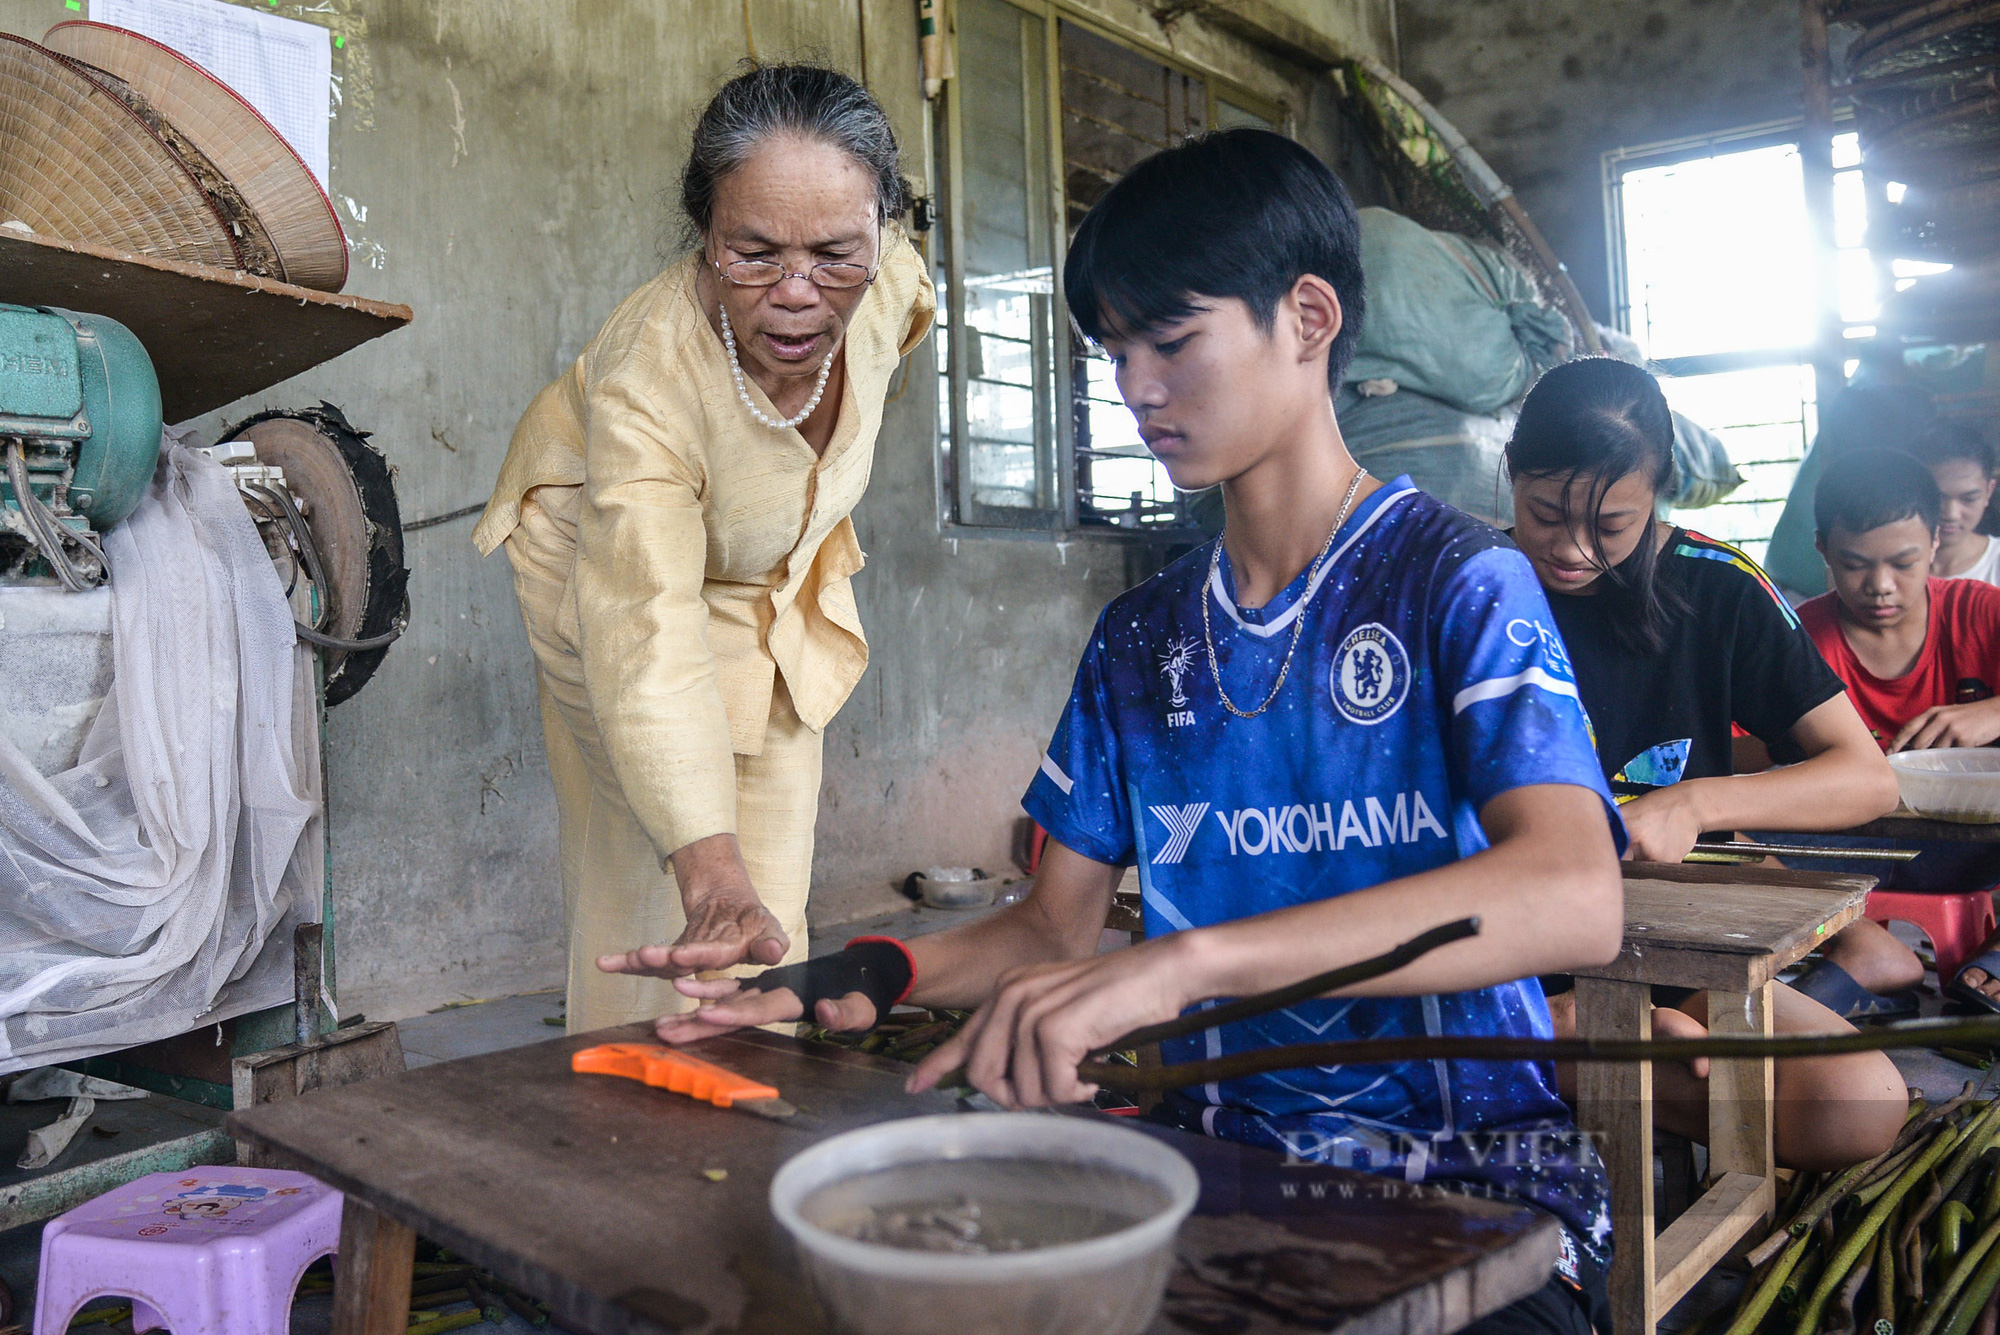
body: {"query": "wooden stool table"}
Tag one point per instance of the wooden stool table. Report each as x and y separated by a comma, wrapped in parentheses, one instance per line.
(1727, 931)
(630, 1209)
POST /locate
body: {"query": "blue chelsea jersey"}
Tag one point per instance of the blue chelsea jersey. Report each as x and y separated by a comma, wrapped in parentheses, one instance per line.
(1428, 678)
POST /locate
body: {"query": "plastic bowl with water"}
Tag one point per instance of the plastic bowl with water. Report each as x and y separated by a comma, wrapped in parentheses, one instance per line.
(1951, 783)
(1107, 1285)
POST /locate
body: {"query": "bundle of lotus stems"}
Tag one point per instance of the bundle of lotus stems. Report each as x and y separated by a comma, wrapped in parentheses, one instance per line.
(1908, 1241)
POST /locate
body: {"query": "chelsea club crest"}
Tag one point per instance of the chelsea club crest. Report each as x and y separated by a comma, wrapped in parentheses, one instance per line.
(1371, 674)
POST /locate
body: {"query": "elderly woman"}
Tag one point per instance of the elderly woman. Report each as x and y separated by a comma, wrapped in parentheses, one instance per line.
(676, 508)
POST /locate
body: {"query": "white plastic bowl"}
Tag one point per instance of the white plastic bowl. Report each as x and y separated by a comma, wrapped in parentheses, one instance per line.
(1109, 1285)
(1951, 783)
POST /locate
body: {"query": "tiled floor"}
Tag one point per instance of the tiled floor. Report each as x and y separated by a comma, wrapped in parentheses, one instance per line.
(1937, 1076)
(481, 1026)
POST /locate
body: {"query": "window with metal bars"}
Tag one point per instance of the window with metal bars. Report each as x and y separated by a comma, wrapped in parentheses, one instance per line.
(1711, 269)
(1044, 116)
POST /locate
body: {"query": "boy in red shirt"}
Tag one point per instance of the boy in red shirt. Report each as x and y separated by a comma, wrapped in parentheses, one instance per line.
(1920, 656)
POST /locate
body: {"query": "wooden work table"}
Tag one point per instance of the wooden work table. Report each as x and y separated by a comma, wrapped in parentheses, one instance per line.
(595, 1194)
(1727, 931)
(1909, 825)
(1727, 928)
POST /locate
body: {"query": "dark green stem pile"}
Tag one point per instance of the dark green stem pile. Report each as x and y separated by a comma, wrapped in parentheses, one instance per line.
(1907, 1243)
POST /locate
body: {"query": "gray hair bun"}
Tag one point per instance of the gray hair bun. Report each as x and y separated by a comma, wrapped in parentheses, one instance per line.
(811, 101)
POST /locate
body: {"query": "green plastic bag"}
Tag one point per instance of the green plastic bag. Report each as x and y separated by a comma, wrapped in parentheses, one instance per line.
(1703, 473)
(1450, 318)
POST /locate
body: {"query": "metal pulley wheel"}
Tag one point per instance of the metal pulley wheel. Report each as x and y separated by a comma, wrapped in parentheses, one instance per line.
(349, 496)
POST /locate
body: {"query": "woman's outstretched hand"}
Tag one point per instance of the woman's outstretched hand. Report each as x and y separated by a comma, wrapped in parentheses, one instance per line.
(722, 931)
(727, 923)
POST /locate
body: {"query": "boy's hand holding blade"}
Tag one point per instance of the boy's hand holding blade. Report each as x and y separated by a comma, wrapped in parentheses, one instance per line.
(1024, 1048)
(1662, 826)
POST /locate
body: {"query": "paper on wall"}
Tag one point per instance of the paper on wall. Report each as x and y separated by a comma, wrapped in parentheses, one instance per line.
(280, 66)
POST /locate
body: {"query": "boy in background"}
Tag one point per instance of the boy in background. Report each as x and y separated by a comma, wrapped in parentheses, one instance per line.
(1964, 466)
(1920, 656)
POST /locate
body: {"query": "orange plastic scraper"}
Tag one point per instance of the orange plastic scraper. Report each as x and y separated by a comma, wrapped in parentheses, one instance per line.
(668, 1068)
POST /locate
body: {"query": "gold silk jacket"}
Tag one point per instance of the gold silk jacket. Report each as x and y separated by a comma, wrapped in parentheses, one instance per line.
(712, 552)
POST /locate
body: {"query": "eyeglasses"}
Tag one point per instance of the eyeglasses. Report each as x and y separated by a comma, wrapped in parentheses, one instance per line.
(769, 273)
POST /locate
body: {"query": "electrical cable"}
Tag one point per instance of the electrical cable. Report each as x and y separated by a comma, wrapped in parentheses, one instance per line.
(383, 641)
(38, 533)
(434, 520)
(308, 550)
(266, 515)
(46, 531)
(302, 540)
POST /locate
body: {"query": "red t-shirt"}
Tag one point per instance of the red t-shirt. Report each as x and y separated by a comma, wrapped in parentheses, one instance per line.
(1960, 661)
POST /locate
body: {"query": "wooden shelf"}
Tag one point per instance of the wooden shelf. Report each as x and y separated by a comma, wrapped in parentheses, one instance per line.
(214, 335)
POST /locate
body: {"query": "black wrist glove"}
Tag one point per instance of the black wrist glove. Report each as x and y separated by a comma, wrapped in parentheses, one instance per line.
(878, 967)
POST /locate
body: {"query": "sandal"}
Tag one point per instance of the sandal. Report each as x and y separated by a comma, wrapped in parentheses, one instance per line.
(1836, 989)
(1989, 962)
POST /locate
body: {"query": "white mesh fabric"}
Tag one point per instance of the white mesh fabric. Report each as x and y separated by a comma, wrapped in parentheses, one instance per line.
(152, 887)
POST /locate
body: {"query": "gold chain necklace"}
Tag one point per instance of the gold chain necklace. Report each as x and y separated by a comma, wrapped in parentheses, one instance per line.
(1298, 624)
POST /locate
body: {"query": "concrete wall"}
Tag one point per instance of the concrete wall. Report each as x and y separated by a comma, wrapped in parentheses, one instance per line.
(502, 168)
(1543, 88)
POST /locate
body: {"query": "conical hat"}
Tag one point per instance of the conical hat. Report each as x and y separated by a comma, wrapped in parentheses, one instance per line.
(78, 163)
(274, 182)
(254, 251)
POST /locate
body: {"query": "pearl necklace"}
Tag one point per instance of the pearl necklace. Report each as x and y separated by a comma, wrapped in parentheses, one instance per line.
(1298, 622)
(743, 390)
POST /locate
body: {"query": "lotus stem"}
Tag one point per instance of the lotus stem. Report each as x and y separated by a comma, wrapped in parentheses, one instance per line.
(1957, 1277)
(1977, 1137)
(1864, 1233)
(1885, 1283)
(1973, 1298)
(1379, 1051)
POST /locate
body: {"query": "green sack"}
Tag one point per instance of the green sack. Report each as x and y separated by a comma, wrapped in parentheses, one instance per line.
(1450, 318)
(1703, 473)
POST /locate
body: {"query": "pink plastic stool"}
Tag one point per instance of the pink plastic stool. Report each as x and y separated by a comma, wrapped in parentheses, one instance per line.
(1957, 924)
(205, 1251)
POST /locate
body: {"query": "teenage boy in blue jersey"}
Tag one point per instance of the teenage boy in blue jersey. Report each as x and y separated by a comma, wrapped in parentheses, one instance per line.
(1346, 722)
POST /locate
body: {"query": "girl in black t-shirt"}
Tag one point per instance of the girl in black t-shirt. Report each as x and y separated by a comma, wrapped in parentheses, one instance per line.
(1677, 641)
